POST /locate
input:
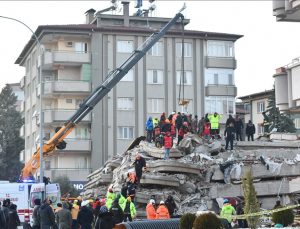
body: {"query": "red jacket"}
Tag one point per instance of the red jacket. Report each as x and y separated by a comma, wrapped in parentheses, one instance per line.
(168, 142)
(173, 129)
(206, 128)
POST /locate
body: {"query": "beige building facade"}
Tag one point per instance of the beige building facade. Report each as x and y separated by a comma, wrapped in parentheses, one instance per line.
(77, 58)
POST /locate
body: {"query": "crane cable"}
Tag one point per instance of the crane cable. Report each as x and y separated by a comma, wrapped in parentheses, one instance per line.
(182, 101)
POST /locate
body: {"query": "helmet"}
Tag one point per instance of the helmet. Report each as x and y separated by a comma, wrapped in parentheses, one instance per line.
(152, 201)
(162, 202)
(225, 201)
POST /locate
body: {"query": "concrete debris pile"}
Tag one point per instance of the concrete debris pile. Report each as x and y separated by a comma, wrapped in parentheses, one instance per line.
(198, 172)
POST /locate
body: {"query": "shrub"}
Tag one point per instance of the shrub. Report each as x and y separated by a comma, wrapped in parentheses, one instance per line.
(187, 220)
(207, 220)
(285, 217)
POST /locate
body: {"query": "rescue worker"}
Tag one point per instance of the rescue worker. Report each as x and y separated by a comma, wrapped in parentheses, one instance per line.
(129, 210)
(74, 213)
(162, 211)
(250, 130)
(140, 166)
(168, 143)
(110, 197)
(239, 126)
(215, 124)
(149, 129)
(227, 212)
(194, 125)
(182, 131)
(150, 209)
(171, 205)
(166, 127)
(105, 219)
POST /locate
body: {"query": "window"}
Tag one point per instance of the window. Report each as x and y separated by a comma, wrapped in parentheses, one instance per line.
(220, 48)
(187, 77)
(155, 77)
(297, 123)
(125, 104)
(82, 133)
(187, 49)
(215, 76)
(220, 104)
(81, 47)
(125, 132)
(260, 107)
(156, 50)
(128, 77)
(124, 46)
(155, 105)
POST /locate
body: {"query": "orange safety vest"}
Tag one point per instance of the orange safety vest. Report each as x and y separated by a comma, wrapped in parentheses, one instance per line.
(150, 210)
(162, 212)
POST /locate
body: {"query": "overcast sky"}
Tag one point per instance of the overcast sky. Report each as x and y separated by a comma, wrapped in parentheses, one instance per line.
(266, 44)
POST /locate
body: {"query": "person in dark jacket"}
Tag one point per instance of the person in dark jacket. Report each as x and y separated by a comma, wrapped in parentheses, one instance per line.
(47, 217)
(170, 204)
(85, 216)
(64, 217)
(2, 218)
(5, 209)
(105, 219)
(250, 130)
(149, 129)
(178, 121)
(229, 135)
(117, 212)
(230, 120)
(13, 218)
(36, 219)
(239, 126)
(139, 165)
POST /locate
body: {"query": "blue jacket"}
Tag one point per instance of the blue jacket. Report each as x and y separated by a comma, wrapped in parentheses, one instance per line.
(149, 124)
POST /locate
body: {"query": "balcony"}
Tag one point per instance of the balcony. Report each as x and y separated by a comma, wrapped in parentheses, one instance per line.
(55, 115)
(74, 174)
(220, 62)
(220, 90)
(76, 144)
(287, 10)
(66, 87)
(56, 59)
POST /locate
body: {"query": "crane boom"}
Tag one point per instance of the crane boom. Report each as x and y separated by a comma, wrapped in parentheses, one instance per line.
(93, 99)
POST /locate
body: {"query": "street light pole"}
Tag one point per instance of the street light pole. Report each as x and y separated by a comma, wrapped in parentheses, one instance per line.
(39, 66)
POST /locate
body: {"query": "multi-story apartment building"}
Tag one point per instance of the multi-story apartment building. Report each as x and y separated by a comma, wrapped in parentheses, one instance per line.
(253, 106)
(77, 58)
(287, 93)
(287, 10)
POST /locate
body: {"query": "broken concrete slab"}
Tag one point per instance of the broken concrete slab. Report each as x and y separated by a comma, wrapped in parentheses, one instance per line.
(159, 180)
(174, 167)
(159, 152)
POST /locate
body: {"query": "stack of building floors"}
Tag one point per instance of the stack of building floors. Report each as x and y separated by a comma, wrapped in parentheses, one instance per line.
(198, 173)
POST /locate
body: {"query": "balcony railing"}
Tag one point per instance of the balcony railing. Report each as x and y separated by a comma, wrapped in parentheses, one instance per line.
(56, 115)
(55, 59)
(220, 62)
(76, 144)
(220, 90)
(67, 86)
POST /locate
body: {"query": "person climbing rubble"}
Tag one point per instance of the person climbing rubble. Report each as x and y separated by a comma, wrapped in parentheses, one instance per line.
(168, 144)
(150, 209)
(140, 166)
(227, 212)
(149, 129)
(162, 211)
(129, 210)
(182, 131)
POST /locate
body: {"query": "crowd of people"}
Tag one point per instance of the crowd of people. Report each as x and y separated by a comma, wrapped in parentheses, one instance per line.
(162, 131)
(9, 218)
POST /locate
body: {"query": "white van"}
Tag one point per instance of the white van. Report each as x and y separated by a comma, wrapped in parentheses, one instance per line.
(24, 194)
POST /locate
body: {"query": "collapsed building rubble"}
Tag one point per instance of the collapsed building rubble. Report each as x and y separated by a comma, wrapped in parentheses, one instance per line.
(199, 172)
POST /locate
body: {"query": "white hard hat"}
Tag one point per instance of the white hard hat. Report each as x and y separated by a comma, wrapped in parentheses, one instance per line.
(152, 201)
(162, 202)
